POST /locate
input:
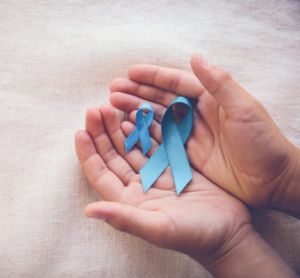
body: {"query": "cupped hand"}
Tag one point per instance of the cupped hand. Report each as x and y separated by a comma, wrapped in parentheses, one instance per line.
(235, 143)
(203, 221)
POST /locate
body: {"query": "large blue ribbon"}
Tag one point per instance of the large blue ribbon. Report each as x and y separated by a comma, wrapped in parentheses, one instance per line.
(141, 132)
(171, 151)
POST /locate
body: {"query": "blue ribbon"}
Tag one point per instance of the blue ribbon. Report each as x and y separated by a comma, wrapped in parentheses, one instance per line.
(171, 151)
(141, 132)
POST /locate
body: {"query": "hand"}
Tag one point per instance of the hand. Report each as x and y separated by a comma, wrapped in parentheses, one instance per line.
(235, 143)
(204, 221)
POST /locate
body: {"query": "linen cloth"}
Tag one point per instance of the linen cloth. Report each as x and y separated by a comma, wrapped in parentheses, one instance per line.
(57, 59)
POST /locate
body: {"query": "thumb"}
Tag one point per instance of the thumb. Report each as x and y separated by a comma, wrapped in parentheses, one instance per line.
(229, 94)
(149, 225)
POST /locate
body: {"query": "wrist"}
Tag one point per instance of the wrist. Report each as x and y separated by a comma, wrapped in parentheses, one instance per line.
(250, 256)
(286, 197)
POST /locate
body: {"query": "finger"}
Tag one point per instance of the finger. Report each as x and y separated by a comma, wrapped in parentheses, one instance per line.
(127, 103)
(150, 93)
(99, 176)
(181, 82)
(155, 127)
(149, 225)
(128, 127)
(113, 127)
(235, 100)
(206, 105)
(115, 162)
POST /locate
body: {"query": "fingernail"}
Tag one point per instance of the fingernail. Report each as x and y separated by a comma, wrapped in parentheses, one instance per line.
(202, 61)
(101, 218)
(97, 217)
(90, 215)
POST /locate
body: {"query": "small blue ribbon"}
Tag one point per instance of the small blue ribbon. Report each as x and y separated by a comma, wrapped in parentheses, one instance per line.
(171, 151)
(141, 132)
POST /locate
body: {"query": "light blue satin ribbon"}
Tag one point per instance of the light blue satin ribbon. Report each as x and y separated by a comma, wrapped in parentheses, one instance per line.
(141, 132)
(171, 151)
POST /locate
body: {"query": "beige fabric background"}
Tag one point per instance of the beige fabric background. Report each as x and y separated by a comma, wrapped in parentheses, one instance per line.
(57, 59)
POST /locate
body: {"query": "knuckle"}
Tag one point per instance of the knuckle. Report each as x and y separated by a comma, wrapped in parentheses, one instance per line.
(127, 176)
(218, 80)
(173, 85)
(110, 154)
(124, 224)
(223, 75)
(159, 114)
(159, 96)
(247, 113)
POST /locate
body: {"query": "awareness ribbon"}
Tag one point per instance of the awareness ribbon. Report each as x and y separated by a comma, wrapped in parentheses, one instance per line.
(171, 151)
(141, 132)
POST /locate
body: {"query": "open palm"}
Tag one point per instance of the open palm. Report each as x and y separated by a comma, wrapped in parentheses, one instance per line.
(234, 143)
(202, 220)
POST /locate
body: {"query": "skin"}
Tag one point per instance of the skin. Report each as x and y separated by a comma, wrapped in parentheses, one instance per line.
(204, 222)
(160, 216)
(232, 135)
(234, 143)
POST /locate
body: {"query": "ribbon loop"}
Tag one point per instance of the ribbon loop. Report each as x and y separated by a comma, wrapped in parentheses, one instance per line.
(141, 132)
(171, 151)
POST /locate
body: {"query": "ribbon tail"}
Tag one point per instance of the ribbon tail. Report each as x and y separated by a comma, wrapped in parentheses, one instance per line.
(131, 140)
(181, 164)
(154, 167)
(145, 137)
(180, 167)
(182, 174)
